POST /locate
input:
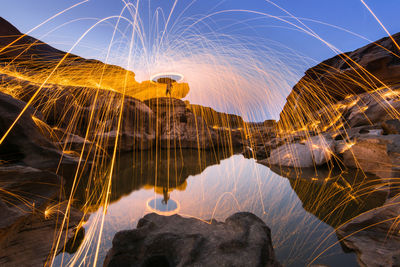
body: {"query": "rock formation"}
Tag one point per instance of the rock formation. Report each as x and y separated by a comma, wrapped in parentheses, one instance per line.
(374, 235)
(178, 126)
(29, 241)
(352, 102)
(34, 60)
(30, 189)
(315, 151)
(360, 116)
(242, 240)
(215, 118)
(363, 70)
(67, 115)
(26, 142)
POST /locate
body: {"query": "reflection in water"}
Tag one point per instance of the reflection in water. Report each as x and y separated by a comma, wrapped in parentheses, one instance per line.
(163, 207)
(302, 213)
(162, 170)
(335, 196)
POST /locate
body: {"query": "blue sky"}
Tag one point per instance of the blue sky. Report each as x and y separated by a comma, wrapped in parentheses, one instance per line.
(349, 14)
(231, 18)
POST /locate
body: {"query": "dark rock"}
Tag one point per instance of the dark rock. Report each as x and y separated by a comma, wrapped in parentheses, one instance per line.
(30, 241)
(391, 127)
(242, 240)
(25, 142)
(374, 235)
(32, 208)
(25, 190)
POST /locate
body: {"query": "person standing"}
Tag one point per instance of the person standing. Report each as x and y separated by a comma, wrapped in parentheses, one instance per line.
(169, 83)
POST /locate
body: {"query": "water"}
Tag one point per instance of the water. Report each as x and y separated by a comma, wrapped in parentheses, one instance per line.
(301, 213)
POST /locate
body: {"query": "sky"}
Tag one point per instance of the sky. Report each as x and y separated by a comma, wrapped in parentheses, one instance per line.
(253, 40)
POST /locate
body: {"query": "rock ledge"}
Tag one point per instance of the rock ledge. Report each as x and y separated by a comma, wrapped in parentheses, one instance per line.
(242, 240)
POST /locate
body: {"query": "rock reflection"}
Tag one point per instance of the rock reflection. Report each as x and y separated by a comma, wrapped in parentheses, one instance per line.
(162, 170)
(335, 196)
(347, 200)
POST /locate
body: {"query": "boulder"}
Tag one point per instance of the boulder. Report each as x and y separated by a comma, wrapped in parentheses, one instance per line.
(315, 151)
(373, 108)
(25, 143)
(370, 155)
(377, 154)
(242, 240)
(374, 235)
(31, 209)
(30, 242)
(25, 190)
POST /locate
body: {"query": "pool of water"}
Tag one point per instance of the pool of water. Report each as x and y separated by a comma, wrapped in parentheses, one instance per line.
(301, 213)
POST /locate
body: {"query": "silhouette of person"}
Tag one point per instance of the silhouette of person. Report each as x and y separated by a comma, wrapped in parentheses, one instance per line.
(169, 82)
(168, 91)
(166, 195)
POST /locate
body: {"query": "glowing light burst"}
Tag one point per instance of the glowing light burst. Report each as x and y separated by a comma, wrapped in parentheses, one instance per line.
(171, 75)
(213, 67)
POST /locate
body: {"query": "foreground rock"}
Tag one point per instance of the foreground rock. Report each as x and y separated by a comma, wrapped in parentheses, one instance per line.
(32, 168)
(242, 240)
(23, 191)
(25, 142)
(31, 215)
(31, 241)
(374, 235)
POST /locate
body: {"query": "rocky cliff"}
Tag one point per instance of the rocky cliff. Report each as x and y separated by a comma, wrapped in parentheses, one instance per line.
(26, 57)
(363, 70)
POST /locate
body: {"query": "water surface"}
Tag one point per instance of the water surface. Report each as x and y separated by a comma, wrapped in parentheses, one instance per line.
(301, 213)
